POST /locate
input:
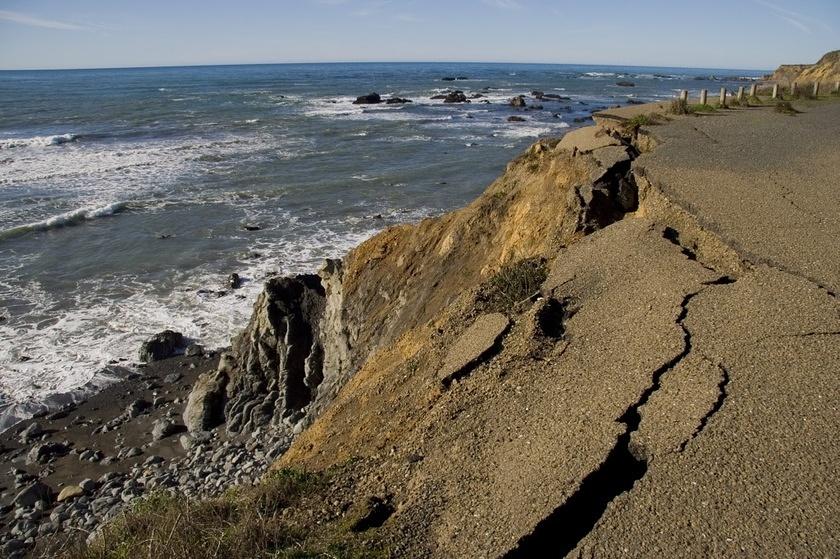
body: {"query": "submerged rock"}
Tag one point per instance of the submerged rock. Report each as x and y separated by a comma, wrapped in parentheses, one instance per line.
(161, 346)
(398, 101)
(625, 84)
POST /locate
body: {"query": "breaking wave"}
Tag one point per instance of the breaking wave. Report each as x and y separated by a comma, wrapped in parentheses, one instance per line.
(38, 141)
(73, 217)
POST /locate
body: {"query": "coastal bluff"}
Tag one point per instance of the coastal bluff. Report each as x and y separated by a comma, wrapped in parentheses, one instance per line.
(638, 327)
(826, 71)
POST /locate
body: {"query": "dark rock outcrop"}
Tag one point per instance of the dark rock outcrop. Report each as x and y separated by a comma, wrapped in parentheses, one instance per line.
(369, 99)
(625, 84)
(456, 97)
(279, 356)
(160, 346)
(518, 101)
(397, 101)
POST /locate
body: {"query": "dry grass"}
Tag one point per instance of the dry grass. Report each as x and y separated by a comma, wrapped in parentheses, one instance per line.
(512, 285)
(679, 107)
(244, 522)
(631, 126)
(785, 107)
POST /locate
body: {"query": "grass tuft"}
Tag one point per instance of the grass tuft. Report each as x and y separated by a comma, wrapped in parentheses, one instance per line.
(679, 107)
(631, 126)
(785, 107)
(513, 284)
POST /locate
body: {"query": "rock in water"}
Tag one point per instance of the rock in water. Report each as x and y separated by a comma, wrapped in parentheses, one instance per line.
(205, 405)
(398, 101)
(518, 101)
(456, 97)
(234, 281)
(369, 99)
(625, 84)
(161, 345)
(515, 119)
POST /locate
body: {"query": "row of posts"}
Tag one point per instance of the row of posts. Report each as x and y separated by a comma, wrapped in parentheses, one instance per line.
(704, 93)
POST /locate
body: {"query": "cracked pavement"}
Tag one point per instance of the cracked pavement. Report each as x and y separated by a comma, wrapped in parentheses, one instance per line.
(688, 410)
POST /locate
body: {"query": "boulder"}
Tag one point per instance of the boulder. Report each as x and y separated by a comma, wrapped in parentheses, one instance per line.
(234, 281)
(515, 119)
(137, 408)
(537, 94)
(171, 378)
(43, 453)
(32, 431)
(194, 350)
(448, 79)
(69, 493)
(33, 493)
(398, 101)
(162, 428)
(456, 97)
(625, 84)
(205, 405)
(369, 99)
(161, 345)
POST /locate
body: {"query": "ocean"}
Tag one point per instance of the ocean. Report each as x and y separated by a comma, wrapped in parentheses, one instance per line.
(128, 196)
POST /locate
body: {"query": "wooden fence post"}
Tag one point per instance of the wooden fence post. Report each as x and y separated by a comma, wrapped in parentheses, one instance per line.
(837, 87)
(684, 95)
(740, 93)
(703, 95)
(816, 89)
(723, 97)
(775, 91)
(793, 89)
(753, 89)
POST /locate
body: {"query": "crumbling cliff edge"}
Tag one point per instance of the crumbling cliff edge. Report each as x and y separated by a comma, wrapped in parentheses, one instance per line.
(626, 346)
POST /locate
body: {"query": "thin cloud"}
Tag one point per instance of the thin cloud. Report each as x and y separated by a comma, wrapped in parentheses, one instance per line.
(800, 21)
(504, 4)
(32, 21)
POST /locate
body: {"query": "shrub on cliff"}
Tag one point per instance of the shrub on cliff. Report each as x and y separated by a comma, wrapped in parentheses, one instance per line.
(513, 284)
(243, 522)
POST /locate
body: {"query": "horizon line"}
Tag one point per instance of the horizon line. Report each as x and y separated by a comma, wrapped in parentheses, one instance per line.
(211, 65)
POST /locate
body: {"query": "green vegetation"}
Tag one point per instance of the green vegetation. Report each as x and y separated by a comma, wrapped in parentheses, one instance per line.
(513, 284)
(243, 522)
(631, 126)
(785, 107)
(702, 108)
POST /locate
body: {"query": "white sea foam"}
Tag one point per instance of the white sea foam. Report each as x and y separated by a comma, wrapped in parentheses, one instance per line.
(38, 141)
(599, 74)
(65, 349)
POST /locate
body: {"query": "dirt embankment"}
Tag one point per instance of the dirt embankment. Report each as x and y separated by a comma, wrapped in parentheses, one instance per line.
(826, 71)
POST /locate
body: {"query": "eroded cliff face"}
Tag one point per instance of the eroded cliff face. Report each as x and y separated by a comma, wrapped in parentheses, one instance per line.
(309, 334)
(826, 70)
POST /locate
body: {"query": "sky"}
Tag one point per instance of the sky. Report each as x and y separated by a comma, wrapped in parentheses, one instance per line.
(742, 34)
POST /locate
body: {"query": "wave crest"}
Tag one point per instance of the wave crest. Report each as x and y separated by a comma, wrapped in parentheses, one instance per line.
(72, 217)
(38, 141)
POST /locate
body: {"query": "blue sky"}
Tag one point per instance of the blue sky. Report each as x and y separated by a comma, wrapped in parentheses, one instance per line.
(754, 34)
